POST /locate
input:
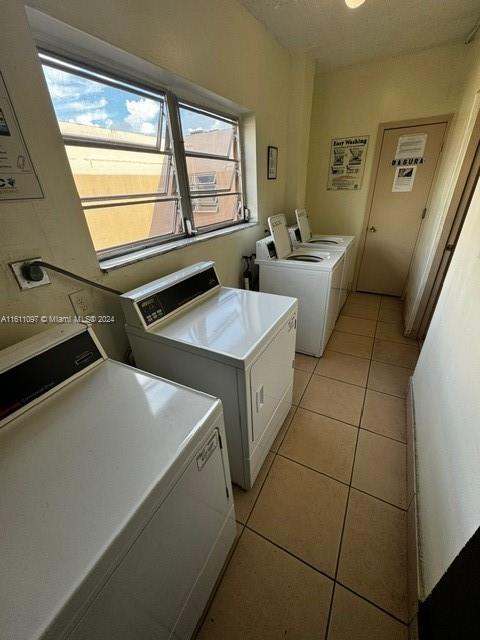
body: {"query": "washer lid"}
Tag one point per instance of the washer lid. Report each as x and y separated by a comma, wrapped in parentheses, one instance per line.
(230, 324)
(303, 225)
(281, 237)
(81, 474)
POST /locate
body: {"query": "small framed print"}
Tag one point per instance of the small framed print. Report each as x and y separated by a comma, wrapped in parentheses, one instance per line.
(272, 161)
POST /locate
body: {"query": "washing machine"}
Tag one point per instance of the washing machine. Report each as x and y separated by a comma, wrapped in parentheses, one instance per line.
(313, 276)
(116, 503)
(301, 236)
(237, 345)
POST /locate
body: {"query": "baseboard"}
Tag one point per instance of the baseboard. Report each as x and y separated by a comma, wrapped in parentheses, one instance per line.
(413, 572)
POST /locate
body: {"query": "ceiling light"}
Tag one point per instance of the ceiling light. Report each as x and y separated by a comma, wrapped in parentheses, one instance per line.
(353, 4)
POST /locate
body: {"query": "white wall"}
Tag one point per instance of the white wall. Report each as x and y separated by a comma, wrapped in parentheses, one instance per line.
(216, 44)
(443, 188)
(355, 100)
(446, 387)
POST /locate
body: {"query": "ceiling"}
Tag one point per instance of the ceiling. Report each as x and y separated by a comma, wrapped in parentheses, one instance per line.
(338, 36)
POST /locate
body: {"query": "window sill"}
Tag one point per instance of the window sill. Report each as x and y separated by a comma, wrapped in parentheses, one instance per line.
(110, 264)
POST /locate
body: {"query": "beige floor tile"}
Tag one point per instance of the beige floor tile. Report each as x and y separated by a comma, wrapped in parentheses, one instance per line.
(302, 511)
(283, 430)
(353, 618)
(334, 399)
(300, 381)
(388, 378)
(373, 559)
(358, 326)
(391, 302)
(393, 331)
(304, 362)
(380, 468)
(321, 443)
(384, 414)
(267, 594)
(359, 310)
(394, 314)
(342, 366)
(402, 355)
(244, 500)
(367, 299)
(351, 344)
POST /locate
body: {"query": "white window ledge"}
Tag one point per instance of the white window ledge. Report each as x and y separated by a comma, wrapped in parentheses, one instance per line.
(110, 264)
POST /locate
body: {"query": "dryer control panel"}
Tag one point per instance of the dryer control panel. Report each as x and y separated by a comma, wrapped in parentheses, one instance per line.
(168, 295)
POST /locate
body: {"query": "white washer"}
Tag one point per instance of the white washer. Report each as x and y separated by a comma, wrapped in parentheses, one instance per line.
(237, 345)
(301, 236)
(116, 502)
(313, 276)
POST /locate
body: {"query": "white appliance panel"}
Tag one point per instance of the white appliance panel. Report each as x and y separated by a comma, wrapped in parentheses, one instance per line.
(148, 594)
(270, 378)
(311, 288)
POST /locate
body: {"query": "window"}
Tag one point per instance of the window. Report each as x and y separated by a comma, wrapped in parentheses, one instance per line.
(213, 166)
(127, 158)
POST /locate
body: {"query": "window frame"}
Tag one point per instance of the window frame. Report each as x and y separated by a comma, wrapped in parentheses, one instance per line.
(171, 123)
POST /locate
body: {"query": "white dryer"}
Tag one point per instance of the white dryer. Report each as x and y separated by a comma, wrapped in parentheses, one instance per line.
(312, 276)
(116, 503)
(237, 345)
(301, 236)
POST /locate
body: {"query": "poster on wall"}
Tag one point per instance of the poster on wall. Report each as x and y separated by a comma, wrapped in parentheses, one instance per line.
(347, 163)
(18, 180)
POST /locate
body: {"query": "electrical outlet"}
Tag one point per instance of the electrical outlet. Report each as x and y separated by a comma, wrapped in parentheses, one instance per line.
(80, 302)
(23, 282)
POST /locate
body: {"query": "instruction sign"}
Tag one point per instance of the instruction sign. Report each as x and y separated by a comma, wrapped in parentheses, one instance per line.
(410, 150)
(18, 180)
(347, 163)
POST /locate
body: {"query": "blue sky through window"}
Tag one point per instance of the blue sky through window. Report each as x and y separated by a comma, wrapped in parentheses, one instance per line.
(84, 101)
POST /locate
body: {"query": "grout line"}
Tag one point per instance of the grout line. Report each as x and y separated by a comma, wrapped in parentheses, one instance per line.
(293, 555)
(322, 375)
(383, 435)
(391, 615)
(329, 618)
(330, 417)
(260, 489)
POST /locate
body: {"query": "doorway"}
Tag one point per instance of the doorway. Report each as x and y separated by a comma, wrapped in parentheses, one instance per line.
(404, 168)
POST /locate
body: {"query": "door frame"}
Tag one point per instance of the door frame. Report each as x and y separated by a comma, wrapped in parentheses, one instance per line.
(456, 213)
(382, 127)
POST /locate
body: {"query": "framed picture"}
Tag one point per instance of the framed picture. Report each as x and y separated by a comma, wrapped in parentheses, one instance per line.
(272, 160)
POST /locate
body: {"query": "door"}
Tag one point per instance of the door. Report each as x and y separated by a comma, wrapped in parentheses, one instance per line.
(407, 163)
(270, 377)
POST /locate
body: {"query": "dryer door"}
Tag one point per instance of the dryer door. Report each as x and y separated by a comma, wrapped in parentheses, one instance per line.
(271, 376)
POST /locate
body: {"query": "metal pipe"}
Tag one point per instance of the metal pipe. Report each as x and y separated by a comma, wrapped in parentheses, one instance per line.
(30, 275)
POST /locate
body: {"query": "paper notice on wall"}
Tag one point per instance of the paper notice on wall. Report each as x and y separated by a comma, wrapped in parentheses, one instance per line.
(18, 179)
(347, 163)
(404, 179)
(410, 150)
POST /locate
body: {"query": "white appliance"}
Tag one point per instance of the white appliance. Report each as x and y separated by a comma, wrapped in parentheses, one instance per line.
(115, 503)
(237, 345)
(312, 276)
(301, 236)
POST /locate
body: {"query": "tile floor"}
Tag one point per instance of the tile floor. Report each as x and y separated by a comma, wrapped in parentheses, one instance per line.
(321, 546)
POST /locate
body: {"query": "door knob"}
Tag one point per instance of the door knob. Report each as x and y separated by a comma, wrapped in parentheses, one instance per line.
(372, 229)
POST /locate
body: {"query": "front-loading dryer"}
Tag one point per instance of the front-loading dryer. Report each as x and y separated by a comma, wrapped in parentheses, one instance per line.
(312, 276)
(234, 344)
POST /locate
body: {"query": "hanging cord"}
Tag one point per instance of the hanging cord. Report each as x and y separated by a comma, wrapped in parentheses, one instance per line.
(33, 271)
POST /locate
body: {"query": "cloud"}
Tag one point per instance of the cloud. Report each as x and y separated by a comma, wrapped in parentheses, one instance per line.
(142, 115)
(94, 118)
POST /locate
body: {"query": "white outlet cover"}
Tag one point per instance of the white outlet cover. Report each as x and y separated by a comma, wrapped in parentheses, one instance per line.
(22, 281)
(80, 302)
